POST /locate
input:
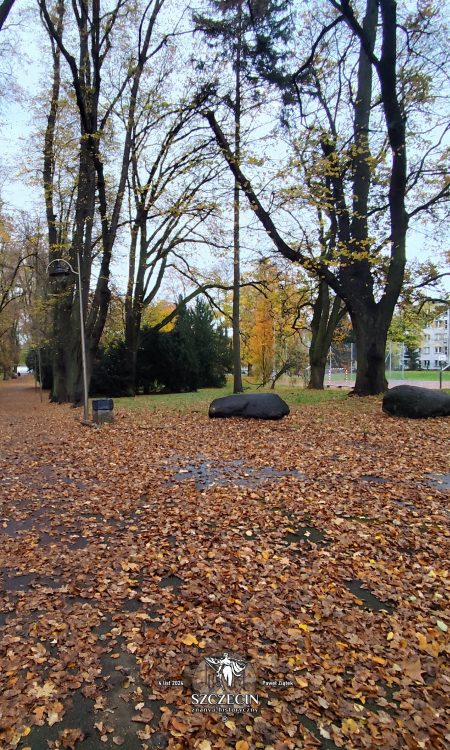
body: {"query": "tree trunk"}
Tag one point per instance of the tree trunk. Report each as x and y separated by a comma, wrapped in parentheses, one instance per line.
(135, 301)
(5, 7)
(68, 385)
(132, 337)
(323, 326)
(74, 376)
(317, 373)
(61, 345)
(237, 375)
(370, 331)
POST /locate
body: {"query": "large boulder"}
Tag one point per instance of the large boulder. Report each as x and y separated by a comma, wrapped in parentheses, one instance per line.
(416, 403)
(256, 405)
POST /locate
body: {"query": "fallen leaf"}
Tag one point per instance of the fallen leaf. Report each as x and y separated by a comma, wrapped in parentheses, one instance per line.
(144, 717)
(52, 718)
(178, 725)
(70, 737)
(413, 669)
(349, 726)
(146, 733)
(189, 640)
(43, 691)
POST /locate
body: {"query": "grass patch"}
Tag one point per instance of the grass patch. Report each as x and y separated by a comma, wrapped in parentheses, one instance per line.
(302, 396)
(200, 400)
(418, 375)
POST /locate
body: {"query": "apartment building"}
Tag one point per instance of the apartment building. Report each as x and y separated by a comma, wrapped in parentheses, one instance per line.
(435, 349)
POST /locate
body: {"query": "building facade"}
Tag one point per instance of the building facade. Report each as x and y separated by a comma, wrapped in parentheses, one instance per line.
(434, 352)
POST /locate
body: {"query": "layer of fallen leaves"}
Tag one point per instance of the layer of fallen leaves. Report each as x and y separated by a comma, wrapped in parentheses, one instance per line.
(119, 570)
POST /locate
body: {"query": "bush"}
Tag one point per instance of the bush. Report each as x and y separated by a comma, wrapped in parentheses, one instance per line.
(111, 371)
(194, 354)
(148, 365)
(211, 345)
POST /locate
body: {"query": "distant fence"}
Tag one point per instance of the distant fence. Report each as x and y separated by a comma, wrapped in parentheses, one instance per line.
(341, 368)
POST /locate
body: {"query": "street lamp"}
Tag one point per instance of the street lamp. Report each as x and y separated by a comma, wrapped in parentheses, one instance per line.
(62, 268)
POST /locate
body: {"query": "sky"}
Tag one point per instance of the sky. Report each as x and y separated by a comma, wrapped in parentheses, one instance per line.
(26, 71)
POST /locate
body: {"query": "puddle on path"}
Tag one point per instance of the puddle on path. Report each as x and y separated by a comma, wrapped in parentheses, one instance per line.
(23, 581)
(209, 473)
(14, 527)
(405, 504)
(305, 534)
(38, 524)
(373, 479)
(39, 476)
(438, 481)
(18, 582)
(174, 582)
(370, 601)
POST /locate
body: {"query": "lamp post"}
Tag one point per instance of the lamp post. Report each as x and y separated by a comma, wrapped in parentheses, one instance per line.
(60, 271)
(442, 367)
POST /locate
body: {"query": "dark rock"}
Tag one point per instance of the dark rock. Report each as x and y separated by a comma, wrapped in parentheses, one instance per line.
(416, 403)
(256, 405)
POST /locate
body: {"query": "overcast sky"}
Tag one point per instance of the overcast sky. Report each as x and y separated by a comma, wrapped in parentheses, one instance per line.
(26, 71)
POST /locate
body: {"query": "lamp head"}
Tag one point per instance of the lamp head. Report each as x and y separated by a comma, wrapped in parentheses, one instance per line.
(59, 270)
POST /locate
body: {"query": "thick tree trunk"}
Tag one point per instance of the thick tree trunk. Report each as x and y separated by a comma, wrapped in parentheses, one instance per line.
(74, 377)
(68, 383)
(134, 299)
(59, 392)
(5, 8)
(317, 373)
(370, 331)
